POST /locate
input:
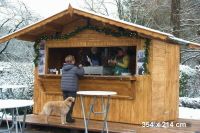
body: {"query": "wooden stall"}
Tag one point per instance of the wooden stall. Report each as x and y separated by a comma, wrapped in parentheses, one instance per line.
(141, 97)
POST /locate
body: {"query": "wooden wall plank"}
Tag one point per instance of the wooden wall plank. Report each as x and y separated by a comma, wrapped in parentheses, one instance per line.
(165, 85)
(122, 109)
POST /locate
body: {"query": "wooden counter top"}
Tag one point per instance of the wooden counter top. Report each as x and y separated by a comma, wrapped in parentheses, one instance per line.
(106, 77)
(123, 85)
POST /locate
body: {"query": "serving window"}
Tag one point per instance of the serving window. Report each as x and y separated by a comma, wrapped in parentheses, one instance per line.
(95, 60)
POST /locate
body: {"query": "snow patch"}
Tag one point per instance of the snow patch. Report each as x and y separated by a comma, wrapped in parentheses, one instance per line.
(189, 113)
(189, 102)
(17, 73)
(187, 70)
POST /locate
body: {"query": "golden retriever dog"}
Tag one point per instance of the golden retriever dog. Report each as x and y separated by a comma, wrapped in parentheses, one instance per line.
(58, 107)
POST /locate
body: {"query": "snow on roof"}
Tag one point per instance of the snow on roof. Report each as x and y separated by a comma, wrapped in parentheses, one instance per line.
(122, 21)
(167, 35)
(182, 41)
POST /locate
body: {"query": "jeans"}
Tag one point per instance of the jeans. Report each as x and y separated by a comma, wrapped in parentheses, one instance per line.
(67, 94)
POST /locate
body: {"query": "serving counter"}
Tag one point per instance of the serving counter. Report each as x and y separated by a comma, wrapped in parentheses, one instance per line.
(123, 85)
(125, 107)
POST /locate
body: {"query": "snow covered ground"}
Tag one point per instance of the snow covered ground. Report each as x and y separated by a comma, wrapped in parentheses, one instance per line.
(189, 113)
(17, 73)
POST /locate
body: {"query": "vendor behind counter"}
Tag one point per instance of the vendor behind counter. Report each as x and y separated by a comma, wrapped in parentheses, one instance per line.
(91, 58)
(94, 57)
(99, 57)
(121, 62)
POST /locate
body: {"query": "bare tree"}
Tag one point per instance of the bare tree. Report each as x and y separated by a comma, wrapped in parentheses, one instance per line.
(175, 17)
(98, 6)
(11, 30)
(14, 15)
(120, 8)
(190, 57)
(190, 22)
(143, 12)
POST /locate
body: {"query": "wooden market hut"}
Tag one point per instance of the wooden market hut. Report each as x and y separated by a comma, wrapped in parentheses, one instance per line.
(153, 96)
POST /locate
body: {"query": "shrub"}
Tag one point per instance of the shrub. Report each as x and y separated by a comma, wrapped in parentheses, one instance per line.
(189, 102)
(189, 80)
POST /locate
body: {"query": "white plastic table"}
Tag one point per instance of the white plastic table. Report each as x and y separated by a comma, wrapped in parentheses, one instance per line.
(10, 87)
(105, 107)
(13, 104)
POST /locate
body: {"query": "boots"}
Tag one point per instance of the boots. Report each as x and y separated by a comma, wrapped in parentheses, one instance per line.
(69, 118)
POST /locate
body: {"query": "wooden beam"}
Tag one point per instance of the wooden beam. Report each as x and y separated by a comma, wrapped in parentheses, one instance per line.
(47, 28)
(58, 27)
(71, 10)
(73, 21)
(28, 37)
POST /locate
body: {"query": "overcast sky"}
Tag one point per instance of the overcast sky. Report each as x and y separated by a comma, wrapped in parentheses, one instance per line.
(49, 7)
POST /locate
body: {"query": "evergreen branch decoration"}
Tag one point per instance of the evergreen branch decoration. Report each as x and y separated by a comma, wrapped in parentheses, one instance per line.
(146, 53)
(36, 50)
(106, 30)
(120, 32)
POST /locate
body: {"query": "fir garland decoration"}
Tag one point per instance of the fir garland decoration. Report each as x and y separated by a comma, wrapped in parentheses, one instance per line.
(146, 53)
(36, 50)
(106, 30)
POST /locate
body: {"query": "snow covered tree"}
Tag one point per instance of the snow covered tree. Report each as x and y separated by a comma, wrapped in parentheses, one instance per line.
(175, 17)
(15, 15)
(15, 54)
(189, 81)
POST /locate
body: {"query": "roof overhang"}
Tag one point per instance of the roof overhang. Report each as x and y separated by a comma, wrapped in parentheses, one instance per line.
(32, 32)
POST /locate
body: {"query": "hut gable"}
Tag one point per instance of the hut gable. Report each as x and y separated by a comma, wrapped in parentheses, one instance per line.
(59, 21)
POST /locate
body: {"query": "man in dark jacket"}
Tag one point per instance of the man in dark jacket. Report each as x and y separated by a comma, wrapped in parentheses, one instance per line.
(69, 81)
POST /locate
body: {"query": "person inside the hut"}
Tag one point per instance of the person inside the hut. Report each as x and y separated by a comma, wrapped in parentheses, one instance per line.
(69, 82)
(121, 62)
(82, 56)
(94, 58)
